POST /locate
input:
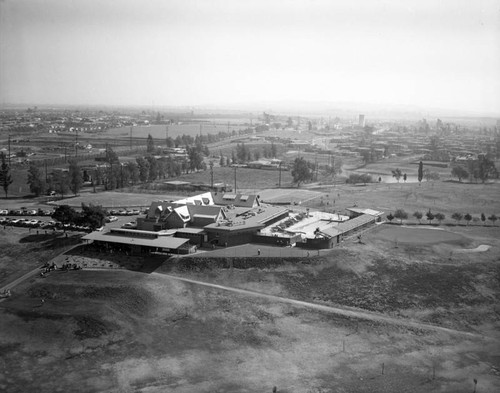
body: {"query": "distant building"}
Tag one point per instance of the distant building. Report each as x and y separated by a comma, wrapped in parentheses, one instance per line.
(361, 120)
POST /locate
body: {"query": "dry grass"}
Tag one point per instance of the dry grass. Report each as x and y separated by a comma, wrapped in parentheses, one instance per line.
(123, 331)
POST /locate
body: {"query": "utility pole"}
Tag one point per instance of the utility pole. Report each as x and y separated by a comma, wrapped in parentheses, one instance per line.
(279, 182)
(166, 135)
(316, 166)
(46, 176)
(211, 175)
(121, 174)
(130, 139)
(9, 151)
(235, 179)
(76, 143)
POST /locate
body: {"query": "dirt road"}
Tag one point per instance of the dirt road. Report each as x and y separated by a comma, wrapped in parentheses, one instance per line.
(357, 314)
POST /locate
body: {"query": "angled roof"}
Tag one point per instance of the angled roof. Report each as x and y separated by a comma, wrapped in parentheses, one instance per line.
(240, 200)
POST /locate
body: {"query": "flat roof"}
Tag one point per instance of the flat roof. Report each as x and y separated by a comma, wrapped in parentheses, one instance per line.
(259, 219)
(359, 210)
(177, 183)
(191, 230)
(161, 242)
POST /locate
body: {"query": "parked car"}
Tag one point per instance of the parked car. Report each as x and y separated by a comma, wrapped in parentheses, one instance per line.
(130, 225)
(45, 212)
(4, 212)
(111, 219)
(136, 211)
(33, 223)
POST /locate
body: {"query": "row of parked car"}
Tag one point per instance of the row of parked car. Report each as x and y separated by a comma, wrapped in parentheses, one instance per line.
(48, 212)
(126, 212)
(26, 212)
(33, 223)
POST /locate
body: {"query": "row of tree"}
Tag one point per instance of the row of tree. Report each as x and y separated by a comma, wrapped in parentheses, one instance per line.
(5, 175)
(92, 216)
(113, 174)
(481, 169)
(401, 214)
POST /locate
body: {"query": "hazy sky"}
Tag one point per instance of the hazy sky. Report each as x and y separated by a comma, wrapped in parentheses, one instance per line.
(443, 54)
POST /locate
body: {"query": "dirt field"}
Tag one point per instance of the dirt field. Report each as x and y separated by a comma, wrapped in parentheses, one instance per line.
(124, 331)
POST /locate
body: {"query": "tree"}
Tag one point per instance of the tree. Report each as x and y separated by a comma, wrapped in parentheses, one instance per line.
(143, 166)
(418, 215)
(35, 181)
(65, 214)
(274, 151)
(60, 183)
(483, 218)
(457, 217)
(242, 153)
(111, 156)
(429, 216)
(429, 175)
(459, 172)
(133, 169)
(153, 168)
(195, 159)
(420, 172)
(150, 144)
(334, 169)
(390, 217)
(301, 171)
(74, 177)
(468, 218)
(405, 177)
(92, 216)
(5, 177)
(440, 217)
(401, 215)
(493, 218)
(486, 169)
(397, 174)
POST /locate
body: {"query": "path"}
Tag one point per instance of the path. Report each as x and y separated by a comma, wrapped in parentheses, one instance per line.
(19, 280)
(358, 314)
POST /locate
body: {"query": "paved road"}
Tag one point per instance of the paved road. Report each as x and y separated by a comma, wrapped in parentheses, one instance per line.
(357, 314)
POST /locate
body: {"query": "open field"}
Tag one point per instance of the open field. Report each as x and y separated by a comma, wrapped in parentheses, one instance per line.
(125, 331)
(444, 197)
(22, 250)
(121, 331)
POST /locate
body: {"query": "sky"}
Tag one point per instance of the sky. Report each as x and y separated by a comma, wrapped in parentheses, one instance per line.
(431, 54)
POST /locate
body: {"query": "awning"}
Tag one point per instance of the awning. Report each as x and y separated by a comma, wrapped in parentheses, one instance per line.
(169, 242)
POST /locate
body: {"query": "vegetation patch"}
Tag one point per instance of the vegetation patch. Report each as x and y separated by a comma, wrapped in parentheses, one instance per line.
(90, 327)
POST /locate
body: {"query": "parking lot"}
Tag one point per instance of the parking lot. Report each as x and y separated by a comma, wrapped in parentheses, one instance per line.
(41, 219)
